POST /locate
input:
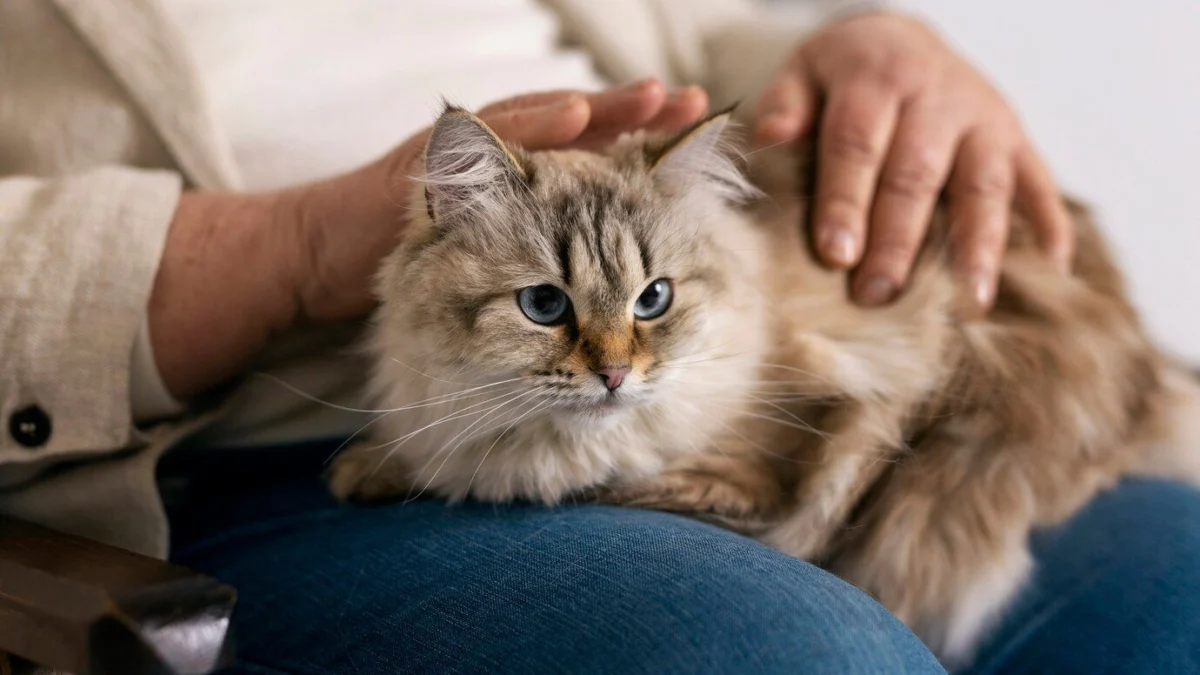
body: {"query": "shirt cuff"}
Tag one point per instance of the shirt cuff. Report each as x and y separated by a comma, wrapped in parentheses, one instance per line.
(149, 398)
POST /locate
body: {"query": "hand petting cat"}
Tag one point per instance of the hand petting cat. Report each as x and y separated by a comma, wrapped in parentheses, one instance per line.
(900, 117)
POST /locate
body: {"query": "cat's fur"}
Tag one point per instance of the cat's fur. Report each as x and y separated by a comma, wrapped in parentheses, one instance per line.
(909, 449)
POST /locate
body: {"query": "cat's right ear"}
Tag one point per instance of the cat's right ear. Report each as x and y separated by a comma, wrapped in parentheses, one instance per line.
(467, 166)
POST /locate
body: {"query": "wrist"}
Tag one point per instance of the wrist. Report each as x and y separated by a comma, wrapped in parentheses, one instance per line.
(258, 231)
(223, 290)
(343, 228)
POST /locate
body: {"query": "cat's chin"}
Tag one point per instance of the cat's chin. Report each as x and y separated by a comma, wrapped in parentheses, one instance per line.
(605, 410)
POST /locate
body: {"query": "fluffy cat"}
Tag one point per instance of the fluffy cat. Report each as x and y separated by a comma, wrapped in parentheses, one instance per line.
(647, 326)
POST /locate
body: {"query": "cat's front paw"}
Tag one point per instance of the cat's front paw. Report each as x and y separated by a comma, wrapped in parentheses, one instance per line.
(363, 475)
(699, 494)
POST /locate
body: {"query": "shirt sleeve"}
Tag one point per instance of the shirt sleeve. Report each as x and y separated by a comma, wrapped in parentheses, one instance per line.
(78, 257)
(148, 395)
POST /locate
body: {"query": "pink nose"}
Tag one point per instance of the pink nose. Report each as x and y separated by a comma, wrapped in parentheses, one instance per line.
(613, 376)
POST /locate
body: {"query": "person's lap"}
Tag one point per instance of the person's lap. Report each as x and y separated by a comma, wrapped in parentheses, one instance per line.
(1116, 590)
(424, 587)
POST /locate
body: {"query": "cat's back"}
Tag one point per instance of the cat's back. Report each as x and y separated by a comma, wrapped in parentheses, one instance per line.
(1055, 343)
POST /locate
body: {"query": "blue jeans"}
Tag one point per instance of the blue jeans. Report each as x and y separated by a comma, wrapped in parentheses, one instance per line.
(426, 588)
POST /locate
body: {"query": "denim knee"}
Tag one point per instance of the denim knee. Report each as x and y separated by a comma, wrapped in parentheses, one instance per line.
(422, 588)
(669, 595)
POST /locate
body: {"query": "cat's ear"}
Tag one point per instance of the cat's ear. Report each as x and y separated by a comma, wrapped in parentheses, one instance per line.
(467, 166)
(701, 156)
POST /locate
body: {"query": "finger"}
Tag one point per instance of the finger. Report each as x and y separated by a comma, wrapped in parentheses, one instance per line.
(612, 111)
(683, 107)
(855, 132)
(680, 109)
(619, 110)
(1039, 198)
(541, 99)
(787, 107)
(537, 99)
(916, 168)
(980, 195)
(551, 126)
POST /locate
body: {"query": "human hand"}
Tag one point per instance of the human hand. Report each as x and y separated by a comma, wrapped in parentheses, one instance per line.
(901, 116)
(348, 224)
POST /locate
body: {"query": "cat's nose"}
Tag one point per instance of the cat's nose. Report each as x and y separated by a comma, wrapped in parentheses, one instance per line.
(613, 376)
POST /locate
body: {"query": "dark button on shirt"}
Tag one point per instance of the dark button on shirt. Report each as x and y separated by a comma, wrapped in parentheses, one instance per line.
(30, 426)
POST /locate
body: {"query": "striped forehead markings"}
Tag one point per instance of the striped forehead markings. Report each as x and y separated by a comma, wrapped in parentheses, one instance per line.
(584, 214)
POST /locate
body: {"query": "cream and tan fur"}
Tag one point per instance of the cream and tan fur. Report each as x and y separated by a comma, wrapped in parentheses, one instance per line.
(909, 449)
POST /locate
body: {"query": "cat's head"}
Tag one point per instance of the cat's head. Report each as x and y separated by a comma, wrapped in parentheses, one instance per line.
(594, 278)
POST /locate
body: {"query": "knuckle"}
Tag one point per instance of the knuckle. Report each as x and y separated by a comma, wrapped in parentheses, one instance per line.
(841, 210)
(513, 119)
(915, 177)
(1003, 125)
(896, 75)
(992, 183)
(879, 77)
(512, 103)
(852, 144)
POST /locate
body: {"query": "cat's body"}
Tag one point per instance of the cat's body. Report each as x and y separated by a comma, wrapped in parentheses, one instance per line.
(910, 449)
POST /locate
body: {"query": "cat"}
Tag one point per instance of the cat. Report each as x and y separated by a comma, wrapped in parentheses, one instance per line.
(648, 326)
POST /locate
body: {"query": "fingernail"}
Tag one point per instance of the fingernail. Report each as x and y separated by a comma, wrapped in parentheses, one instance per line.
(982, 289)
(838, 246)
(876, 291)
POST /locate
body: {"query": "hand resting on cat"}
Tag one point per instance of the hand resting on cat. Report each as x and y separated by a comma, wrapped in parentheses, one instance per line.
(646, 325)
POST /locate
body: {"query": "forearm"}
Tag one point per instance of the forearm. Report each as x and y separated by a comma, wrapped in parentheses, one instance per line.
(222, 290)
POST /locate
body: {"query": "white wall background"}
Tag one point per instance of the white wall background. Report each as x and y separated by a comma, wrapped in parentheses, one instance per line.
(1111, 93)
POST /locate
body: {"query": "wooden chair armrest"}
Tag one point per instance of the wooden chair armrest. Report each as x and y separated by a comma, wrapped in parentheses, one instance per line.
(90, 609)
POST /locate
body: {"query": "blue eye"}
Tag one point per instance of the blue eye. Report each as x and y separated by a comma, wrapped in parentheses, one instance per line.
(654, 301)
(544, 304)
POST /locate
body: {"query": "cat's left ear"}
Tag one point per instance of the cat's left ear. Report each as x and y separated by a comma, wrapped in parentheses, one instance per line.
(701, 156)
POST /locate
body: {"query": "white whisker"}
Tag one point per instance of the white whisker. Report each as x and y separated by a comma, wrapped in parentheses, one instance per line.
(346, 442)
(537, 407)
(435, 400)
(457, 414)
(437, 379)
(452, 450)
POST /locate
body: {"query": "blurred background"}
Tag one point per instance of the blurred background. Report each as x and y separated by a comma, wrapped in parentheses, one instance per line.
(1111, 93)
